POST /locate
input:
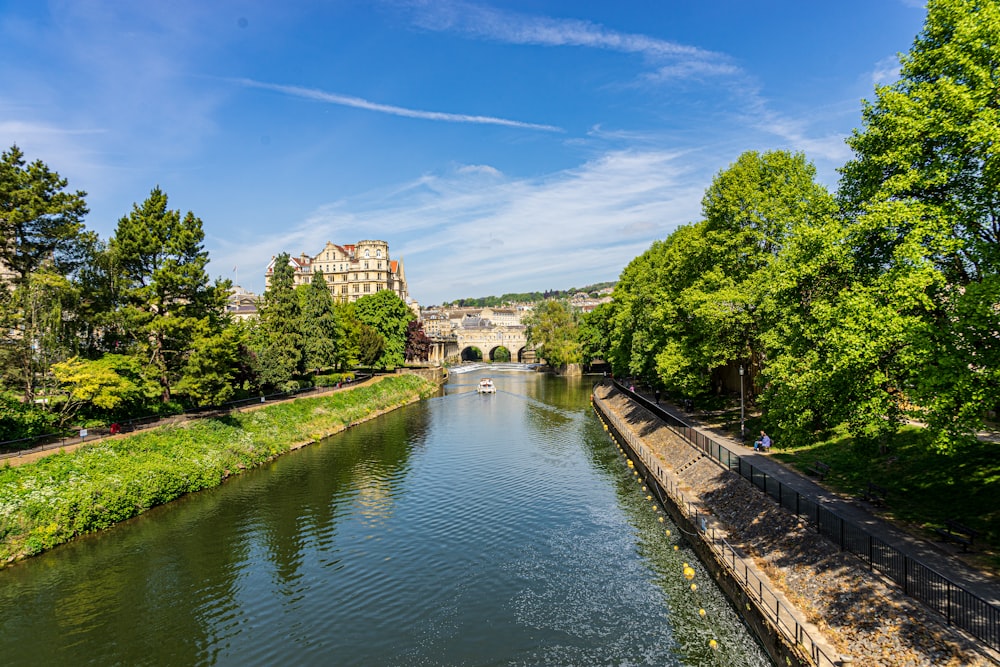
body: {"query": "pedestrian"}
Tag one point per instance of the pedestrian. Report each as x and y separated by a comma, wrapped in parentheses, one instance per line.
(656, 395)
(763, 443)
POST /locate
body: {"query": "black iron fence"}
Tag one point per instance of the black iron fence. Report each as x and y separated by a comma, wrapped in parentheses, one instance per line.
(959, 606)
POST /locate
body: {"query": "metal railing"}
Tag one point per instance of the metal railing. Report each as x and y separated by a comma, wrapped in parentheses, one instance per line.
(48, 441)
(958, 605)
(768, 603)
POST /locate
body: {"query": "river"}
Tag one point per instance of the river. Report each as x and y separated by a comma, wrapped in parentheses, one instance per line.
(466, 529)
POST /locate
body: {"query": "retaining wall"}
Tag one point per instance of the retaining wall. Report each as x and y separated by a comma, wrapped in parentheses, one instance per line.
(783, 630)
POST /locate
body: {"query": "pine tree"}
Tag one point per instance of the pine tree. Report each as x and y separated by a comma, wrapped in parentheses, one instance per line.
(165, 299)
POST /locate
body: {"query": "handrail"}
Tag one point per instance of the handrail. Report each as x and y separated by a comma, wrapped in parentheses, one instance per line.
(954, 601)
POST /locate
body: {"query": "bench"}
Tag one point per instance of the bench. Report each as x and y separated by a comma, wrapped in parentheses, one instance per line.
(876, 493)
(957, 532)
(819, 469)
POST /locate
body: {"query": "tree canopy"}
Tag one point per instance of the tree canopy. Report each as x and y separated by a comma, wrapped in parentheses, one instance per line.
(387, 315)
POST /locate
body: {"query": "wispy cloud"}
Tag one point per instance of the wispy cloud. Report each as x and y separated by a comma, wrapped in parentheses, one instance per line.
(886, 71)
(671, 58)
(474, 231)
(359, 103)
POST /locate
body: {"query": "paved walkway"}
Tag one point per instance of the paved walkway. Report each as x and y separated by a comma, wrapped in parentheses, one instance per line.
(983, 584)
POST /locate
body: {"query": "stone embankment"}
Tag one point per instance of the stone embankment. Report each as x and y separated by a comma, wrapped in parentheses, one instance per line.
(859, 615)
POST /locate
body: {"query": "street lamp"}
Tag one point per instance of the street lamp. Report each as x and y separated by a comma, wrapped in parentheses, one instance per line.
(743, 437)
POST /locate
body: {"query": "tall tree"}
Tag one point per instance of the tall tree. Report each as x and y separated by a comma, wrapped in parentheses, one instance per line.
(346, 349)
(277, 340)
(41, 237)
(320, 328)
(552, 329)
(165, 296)
(387, 314)
(40, 222)
(923, 198)
(371, 346)
(750, 210)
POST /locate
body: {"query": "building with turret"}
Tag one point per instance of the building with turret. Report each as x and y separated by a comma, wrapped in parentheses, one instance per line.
(351, 271)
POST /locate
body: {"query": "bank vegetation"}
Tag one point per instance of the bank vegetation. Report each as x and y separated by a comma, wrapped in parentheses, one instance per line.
(57, 498)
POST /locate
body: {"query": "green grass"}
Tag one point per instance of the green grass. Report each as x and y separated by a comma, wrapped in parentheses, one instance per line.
(925, 487)
(49, 502)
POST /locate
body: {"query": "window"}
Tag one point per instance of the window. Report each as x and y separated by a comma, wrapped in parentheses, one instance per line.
(378, 253)
(367, 253)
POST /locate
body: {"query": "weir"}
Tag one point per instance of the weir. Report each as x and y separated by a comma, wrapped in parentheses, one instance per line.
(786, 635)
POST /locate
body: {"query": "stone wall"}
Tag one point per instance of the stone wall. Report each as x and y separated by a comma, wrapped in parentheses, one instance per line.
(848, 611)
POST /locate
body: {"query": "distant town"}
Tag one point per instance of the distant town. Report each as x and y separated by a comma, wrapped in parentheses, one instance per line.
(353, 270)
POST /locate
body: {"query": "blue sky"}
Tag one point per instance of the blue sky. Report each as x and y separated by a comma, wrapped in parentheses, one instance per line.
(498, 147)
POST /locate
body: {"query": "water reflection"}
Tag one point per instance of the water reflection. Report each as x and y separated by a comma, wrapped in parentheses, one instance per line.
(466, 529)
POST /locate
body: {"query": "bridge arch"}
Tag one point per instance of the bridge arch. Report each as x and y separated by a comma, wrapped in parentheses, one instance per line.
(471, 353)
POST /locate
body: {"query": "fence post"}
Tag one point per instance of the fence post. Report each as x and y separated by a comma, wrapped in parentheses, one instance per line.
(948, 614)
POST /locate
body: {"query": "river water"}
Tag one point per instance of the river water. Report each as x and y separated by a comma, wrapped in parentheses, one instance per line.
(466, 529)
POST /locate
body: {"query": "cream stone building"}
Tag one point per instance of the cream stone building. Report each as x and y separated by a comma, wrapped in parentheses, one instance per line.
(351, 271)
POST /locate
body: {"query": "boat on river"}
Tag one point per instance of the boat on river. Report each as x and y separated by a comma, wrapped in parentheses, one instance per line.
(486, 386)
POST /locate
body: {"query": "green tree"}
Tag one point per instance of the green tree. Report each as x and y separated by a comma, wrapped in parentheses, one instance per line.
(36, 317)
(41, 238)
(346, 348)
(595, 332)
(320, 326)
(40, 222)
(923, 197)
(552, 330)
(277, 339)
(109, 384)
(371, 346)
(389, 315)
(750, 210)
(212, 369)
(165, 297)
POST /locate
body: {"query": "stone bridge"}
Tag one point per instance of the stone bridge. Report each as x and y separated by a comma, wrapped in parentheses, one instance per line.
(488, 340)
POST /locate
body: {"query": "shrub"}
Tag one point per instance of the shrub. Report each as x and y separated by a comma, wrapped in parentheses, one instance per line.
(20, 420)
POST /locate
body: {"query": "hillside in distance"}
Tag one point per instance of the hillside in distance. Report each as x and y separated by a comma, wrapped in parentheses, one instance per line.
(526, 297)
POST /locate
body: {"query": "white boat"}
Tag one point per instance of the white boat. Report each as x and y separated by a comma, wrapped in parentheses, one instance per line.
(486, 386)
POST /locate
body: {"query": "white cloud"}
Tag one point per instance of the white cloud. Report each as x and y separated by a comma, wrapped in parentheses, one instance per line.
(886, 71)
(359, 103)
(462, 236)
(514, 28)
(479, 169)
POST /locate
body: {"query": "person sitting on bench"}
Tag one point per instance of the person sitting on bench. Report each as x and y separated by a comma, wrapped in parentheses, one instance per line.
(763, 443)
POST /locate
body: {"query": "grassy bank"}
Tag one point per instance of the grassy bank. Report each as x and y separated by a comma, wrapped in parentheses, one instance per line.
(925, 487)
(49, 502)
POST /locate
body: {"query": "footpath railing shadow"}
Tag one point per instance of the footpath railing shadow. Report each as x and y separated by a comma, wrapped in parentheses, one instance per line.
(768, 603)
(50, 441)
(958, 605)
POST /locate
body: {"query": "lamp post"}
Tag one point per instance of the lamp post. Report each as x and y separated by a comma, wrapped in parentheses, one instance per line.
(743, 437)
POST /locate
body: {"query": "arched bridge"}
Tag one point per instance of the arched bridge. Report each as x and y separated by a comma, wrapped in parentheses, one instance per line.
(488, 340)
